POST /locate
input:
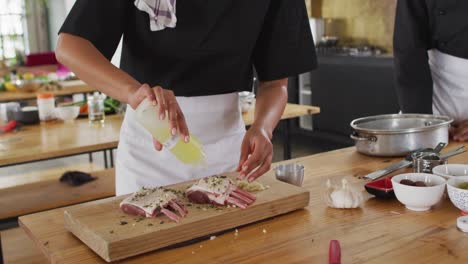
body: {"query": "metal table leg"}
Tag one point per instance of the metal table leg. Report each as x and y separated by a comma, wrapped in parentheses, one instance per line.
(287, 139)
(111, 152)
(105, 159)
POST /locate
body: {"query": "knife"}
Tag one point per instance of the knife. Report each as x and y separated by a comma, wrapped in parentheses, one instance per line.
(402, 164)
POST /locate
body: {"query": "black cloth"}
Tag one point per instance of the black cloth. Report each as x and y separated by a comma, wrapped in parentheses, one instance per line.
(211, 50)
(421, 25)
(76, 178)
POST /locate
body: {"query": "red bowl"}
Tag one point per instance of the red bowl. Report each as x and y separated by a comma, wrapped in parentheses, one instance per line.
(382, 188)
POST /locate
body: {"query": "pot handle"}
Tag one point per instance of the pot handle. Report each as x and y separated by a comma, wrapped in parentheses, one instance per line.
(356, 137)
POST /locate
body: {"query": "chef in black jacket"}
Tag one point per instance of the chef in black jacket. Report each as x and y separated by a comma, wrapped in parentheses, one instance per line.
(192, 61)
(431, 59)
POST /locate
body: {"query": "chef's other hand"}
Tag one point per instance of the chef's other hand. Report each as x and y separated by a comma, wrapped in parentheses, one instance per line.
(168, 107)
(256, 153)
(460, 132)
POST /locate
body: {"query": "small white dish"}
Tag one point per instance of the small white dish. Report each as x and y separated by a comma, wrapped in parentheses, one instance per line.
(449, 171)
(419, 198)
(458, 196)
(67, 113)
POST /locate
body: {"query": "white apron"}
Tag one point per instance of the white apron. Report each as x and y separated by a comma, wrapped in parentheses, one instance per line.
(450, 76)
(215, 120)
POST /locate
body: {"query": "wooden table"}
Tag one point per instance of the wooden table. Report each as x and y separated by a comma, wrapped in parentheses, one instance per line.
(46, 195)
(59, 139)
(382, 231)
(68, 88)
(17, 248)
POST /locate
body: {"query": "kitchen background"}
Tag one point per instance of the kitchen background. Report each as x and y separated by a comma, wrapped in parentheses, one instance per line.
(355, 74)
(358, 21)
(354, 79)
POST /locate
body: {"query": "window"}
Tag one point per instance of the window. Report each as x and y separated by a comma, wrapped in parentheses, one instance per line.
(12, 29)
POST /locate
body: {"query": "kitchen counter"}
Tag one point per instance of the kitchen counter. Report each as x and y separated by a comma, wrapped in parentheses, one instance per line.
(382, 231)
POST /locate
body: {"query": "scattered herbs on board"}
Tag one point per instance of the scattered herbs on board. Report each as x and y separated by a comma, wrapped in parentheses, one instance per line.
(162, 222)
(123, 222)
(46, 243)
(111, 232)
(150, 224)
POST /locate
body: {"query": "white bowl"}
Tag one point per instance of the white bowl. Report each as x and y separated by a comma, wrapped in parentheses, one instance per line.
(419, 198)
(459, 197)
(67, 113)
(449, 171)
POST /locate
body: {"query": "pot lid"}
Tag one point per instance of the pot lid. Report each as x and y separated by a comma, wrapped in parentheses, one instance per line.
(399, 123)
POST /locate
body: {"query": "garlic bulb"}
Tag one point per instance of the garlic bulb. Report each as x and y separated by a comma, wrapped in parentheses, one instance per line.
(344, 196)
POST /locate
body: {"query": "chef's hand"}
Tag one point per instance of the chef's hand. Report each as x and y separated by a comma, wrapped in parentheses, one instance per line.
(256, 153)
(168, 106)
(460, 131)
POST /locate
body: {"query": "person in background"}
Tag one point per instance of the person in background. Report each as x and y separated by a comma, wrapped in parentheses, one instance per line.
(192, 63)
(431, 59)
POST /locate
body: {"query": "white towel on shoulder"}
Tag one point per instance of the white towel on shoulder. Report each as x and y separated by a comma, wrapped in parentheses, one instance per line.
(162, 13)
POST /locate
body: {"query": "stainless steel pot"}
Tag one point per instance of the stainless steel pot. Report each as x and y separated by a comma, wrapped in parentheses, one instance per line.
(399, 134)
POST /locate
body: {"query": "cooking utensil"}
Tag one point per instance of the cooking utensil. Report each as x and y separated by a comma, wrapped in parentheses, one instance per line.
(30, 85)
(449, 171)
(7, 110)
(382, 188)
(67, 113)
(419, 198)
(458, 196)
(290, 173)
(400, 134)
(334, 252)
(27, 115)
(452, 153)
(424, 162)
(402, 164)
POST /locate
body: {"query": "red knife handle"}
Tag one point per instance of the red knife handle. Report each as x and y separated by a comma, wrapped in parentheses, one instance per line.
(334, 252)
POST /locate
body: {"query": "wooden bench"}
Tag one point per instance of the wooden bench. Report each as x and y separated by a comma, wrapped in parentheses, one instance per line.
(50, 194)
(18, 248)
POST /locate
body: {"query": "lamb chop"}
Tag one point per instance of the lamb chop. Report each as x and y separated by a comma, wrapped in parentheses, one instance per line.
(219, 190)
(149, 202)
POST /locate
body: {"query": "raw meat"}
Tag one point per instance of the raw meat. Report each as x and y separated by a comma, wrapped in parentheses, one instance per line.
(149, 202)
(219, 190)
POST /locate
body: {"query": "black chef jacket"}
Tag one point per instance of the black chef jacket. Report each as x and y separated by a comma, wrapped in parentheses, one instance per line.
(211, 50)
(422, 25)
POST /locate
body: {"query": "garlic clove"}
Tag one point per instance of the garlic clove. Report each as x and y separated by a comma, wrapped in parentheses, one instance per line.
(344, 196)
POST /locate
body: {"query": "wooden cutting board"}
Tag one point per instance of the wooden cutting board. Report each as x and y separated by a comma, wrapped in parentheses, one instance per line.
(114, 235)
